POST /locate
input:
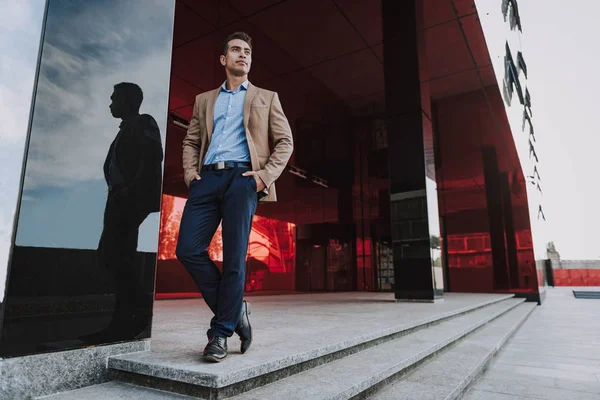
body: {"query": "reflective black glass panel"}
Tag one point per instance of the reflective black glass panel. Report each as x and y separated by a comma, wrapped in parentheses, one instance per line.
(82, 271)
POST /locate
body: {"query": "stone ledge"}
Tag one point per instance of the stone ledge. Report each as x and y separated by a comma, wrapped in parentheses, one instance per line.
(45, 374)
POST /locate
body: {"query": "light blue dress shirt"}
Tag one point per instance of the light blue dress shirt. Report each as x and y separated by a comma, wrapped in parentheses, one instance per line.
(228, 142)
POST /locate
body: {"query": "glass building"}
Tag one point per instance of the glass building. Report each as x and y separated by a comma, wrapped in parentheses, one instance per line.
(414, 171)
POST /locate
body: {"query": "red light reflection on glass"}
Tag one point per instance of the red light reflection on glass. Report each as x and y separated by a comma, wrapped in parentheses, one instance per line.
(271, 249)
(473, 251)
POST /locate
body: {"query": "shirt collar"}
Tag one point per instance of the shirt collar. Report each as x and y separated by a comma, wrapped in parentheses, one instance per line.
(244, 85)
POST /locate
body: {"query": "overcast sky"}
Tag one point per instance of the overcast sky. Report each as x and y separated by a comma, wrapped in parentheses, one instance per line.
(560, 43)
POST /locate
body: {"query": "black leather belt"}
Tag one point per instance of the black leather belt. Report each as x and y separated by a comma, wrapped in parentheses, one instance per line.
(225, 165)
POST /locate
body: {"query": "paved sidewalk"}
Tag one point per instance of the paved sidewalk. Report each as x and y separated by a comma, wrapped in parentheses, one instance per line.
(554, 355)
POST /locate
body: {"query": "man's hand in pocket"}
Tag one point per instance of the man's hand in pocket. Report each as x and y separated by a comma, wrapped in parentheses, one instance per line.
(260, 185)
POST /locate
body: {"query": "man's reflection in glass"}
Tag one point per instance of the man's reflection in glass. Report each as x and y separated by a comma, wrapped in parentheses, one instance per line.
(133, 174)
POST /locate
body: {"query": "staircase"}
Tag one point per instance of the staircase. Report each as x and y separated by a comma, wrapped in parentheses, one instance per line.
(435, 357)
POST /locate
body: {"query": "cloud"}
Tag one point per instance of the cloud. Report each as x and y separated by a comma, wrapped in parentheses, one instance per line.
(87, 51)
(20, 27)
(88, 48)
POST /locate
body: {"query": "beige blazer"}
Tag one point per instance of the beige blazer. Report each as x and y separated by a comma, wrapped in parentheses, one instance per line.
(263, 119)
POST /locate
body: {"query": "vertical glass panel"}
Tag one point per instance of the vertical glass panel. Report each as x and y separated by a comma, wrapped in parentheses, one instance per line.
(20, 29)
(82, 271)
(433, 213)
(463, 200)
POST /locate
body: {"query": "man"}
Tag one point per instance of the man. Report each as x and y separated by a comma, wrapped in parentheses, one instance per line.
(228, 168)
(133, 174)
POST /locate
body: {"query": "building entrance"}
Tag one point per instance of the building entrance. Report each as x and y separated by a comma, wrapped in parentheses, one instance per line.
(330, 81)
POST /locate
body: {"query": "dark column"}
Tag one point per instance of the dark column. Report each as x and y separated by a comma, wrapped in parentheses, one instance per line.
(414, 214)
(493, 194)
(509, 229)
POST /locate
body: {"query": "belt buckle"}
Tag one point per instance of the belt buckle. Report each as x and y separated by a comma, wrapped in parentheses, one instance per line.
(220, 165)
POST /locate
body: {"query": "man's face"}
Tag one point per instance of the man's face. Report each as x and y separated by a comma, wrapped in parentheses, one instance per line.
(118, 109)
(238, 58)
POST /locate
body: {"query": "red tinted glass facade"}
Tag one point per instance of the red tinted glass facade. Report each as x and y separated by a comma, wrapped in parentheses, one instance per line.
(336, 225)
(483, 197)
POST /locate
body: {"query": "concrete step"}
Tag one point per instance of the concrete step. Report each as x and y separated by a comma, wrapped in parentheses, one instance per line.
(448, 375)
(183, 372)
(359, 374)
(116, 391)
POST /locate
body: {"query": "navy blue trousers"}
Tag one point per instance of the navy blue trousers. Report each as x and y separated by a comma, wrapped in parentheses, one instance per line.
(228, 197)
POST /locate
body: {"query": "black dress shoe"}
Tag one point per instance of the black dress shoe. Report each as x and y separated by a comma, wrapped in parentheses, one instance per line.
(216, 349)
(243, 328)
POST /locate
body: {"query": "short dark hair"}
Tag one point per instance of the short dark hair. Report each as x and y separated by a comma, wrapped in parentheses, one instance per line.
(237, 35)
(133, 94)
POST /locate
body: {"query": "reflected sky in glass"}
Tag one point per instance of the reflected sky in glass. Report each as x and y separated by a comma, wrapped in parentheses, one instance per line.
(20, 28)
(89, 47)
